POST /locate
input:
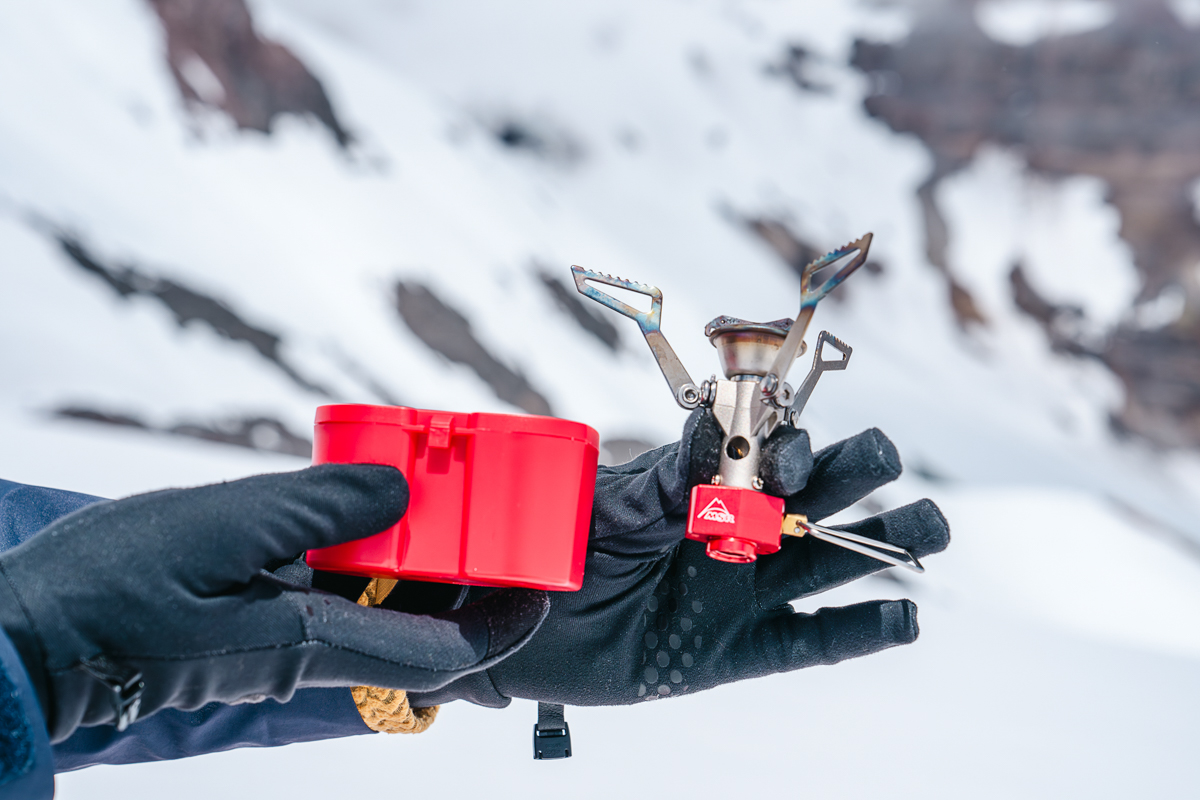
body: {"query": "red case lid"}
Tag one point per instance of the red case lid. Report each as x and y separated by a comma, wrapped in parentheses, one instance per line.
(463, 422)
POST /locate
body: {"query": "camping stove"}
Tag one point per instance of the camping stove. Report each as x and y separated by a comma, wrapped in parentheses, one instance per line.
(735, 519)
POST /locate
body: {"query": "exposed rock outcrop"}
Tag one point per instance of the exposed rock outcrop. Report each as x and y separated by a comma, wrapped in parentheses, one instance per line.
(793, 250)
(186, 305)
(219, 60)
(252, 432)
(568, 299)
(448, 333)
(1121, 103)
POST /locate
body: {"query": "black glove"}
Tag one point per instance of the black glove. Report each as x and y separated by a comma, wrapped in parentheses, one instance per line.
(657, 617)
(170, 585)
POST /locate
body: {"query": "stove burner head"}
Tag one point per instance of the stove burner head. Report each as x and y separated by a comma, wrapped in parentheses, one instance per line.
(747, 348)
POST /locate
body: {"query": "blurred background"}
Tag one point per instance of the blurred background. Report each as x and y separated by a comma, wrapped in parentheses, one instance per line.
(216, 215)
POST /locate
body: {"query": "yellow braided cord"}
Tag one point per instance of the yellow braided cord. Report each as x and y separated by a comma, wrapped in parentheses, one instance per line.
(377, 591)
(388, 711)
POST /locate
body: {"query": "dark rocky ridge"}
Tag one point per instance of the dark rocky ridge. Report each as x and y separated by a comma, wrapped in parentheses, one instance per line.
(794, 67)
(1121, 103)
(186, 305)
(568, 299)
(1060, 321)
(448, 333)
(795, 251)
(537, 137)
(786, 243)
(252, 432)
(259, 79)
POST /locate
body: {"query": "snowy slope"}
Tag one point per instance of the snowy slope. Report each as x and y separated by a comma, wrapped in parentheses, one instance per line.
(1059, 648)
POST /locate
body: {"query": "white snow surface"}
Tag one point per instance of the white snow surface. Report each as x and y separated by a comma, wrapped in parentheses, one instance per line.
(1023, 22)
(1059, 648)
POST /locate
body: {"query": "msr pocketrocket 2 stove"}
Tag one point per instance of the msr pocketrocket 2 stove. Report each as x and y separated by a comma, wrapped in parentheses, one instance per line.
(733, 516)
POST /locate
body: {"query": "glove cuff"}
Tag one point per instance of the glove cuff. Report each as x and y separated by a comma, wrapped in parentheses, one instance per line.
(16, 623)
(476, 688)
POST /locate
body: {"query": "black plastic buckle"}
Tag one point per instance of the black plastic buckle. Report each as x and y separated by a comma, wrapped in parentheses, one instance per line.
(551, 734)
(125, 686)
(552, 744)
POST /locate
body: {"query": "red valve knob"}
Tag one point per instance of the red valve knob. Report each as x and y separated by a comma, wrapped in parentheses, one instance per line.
(734, 551)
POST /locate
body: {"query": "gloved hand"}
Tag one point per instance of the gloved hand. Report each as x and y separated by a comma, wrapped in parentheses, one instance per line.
(657, 617)
(170, 585)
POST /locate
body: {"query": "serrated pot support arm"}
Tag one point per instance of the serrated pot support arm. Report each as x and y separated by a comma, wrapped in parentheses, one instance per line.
(686, 393)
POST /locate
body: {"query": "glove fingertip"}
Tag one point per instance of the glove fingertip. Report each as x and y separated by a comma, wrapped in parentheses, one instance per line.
(523, 614)
(937, 529)
(512, 617)
(898, 622)
(886, 462)
(787, 462)
(383, 491)
(846, 472)
(832, 635)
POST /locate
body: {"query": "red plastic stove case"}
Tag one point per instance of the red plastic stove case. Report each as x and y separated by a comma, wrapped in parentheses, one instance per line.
(495, 499)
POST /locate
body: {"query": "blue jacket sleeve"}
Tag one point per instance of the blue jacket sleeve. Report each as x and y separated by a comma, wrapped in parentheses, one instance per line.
(312, 714)
(26, 766)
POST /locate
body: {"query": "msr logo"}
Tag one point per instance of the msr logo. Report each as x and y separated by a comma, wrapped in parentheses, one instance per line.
(716, 511)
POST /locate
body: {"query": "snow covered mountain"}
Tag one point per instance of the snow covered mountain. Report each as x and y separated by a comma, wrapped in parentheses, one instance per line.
(384, 206)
